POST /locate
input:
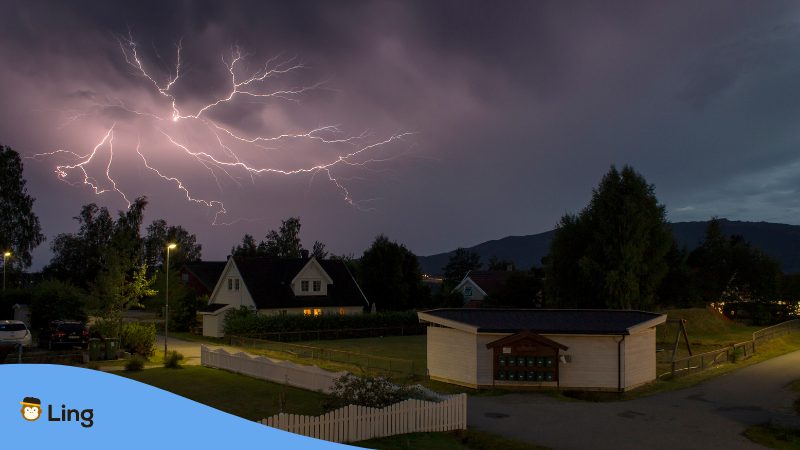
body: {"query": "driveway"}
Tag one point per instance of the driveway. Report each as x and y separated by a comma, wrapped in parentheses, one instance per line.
(190, 350)
(712, 414)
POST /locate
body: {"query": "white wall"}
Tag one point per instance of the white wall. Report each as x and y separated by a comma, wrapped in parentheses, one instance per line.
(326, 310)
(640, 358)
(451, 355)
(234, 297)
(213, 325)
(476, 292)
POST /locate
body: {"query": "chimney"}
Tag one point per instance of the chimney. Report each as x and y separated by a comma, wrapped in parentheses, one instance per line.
(304, 254)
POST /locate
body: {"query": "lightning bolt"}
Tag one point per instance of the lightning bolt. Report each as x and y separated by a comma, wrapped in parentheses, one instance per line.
(226, 161)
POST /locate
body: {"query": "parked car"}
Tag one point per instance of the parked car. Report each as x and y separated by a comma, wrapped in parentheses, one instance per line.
(15, 331)
(64, 333)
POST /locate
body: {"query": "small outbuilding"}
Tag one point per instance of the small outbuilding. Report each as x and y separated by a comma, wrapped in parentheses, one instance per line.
(600, 350)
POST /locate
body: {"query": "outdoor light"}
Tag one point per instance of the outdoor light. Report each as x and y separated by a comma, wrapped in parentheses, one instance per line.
(166, 309)
(6, 255)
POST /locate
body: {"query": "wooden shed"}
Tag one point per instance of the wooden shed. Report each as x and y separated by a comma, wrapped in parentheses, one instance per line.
(600, 350)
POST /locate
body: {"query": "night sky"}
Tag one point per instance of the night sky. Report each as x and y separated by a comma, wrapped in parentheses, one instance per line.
(500, 116)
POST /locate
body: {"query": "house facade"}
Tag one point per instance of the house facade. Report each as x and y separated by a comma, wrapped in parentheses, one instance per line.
(274, 286)
(602, 350)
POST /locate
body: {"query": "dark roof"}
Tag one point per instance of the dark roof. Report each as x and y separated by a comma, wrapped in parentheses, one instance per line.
(544, 321)
(491, 281)
(206, 272)
(212, 307)
(269, 281)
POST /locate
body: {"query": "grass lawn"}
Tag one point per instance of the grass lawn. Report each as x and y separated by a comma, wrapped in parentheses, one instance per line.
(240, 395)
(456, 440)
(411, 348)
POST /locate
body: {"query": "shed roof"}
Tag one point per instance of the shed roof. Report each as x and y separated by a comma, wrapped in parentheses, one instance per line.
(543, 321)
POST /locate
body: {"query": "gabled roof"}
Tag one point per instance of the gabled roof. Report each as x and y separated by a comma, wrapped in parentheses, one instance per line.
(526, 336)
(488, 281)
(269, 281)
(543, 321)
(206, 272)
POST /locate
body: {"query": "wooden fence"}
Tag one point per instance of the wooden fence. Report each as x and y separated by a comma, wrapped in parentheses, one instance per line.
(357, 423)
(736, 352)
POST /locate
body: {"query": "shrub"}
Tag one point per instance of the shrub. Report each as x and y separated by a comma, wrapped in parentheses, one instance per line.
(56, 300)
(103, 328)
(173, 360)
(375, 392)
(138, 338)
(135, 363)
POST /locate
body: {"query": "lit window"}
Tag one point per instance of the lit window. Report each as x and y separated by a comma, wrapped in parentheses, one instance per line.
(304, 286)
(317, 312)
(230, 284)
(283, 312)
(236, 285)
(341, 311)
(306, 312)
(317, 285)
(468, 292)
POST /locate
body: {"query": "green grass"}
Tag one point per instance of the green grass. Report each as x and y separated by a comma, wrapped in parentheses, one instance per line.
(774, 436)
(411, 348)
(191, 337)
(457, 440)
(240, 395)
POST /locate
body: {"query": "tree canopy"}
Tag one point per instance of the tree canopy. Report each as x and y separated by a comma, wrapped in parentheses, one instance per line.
(281, 243)
(460, 262)
(612, 254)
(20, 231)
(159, 235)
(390, 276)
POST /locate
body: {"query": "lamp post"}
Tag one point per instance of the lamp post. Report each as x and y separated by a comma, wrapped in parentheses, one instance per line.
(6, 255)
(166, 310)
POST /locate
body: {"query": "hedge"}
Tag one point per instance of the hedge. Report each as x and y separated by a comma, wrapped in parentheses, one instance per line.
(244, 322)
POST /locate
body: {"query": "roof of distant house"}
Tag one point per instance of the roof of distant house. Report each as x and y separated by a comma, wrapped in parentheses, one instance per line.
(490, 281)
(543, 321)
(206, 272)
(269, 282)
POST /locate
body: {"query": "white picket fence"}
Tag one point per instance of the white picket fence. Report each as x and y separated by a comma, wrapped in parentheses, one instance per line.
(357, 423)
(284, 372)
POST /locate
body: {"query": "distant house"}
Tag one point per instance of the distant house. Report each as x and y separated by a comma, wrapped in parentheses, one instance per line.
(479, 284)
(202, 276)
(282, 286)
(605, 350)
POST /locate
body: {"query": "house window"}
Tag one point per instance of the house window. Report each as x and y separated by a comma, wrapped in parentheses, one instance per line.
(342, 311)
(317, 285)
(304, 286)
(185, 277)
(317, 312)
(283, 312)
(306, 312)
(230, 284)
(236, 284)
(468, 292)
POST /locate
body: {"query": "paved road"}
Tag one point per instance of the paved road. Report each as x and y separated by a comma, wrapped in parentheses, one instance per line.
(190, 350)
(710, 415)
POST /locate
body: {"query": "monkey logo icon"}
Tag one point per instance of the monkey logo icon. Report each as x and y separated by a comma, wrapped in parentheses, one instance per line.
(31, 408)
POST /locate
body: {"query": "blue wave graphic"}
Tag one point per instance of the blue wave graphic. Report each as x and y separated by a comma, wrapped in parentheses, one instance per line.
(125, 414)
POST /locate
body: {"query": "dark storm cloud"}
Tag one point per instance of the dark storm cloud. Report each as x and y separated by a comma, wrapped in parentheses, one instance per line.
(518, 108)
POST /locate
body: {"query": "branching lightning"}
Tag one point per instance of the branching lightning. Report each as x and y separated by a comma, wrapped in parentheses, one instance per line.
(223, 158)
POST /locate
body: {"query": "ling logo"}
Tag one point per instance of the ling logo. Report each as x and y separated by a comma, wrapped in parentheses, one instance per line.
(31, 408)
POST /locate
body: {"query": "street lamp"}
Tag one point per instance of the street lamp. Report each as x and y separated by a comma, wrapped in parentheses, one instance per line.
(6, 255)
(166, 312)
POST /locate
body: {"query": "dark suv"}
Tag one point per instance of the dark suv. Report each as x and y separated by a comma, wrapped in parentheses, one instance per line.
(64, 333)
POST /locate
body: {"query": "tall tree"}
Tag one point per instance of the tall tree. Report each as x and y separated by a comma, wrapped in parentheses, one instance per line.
(20, 231)
(284, 243)
(390, 276)
(619, 258)
(159, 235)
(248, 247)
(460, 262)
(318, 250)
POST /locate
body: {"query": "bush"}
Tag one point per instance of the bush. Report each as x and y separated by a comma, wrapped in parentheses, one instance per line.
(375, 392)
(103, 328)
(173, 360)
(135, 363)
(183, 317)
(245, 322)
(138, 338)
(56, 300)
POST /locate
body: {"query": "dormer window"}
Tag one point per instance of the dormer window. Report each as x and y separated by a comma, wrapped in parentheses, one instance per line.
(304, 286)
(317, 285)
(468, 292)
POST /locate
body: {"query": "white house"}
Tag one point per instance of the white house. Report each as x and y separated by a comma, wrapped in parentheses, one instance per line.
(604, 350)
(282, 286)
